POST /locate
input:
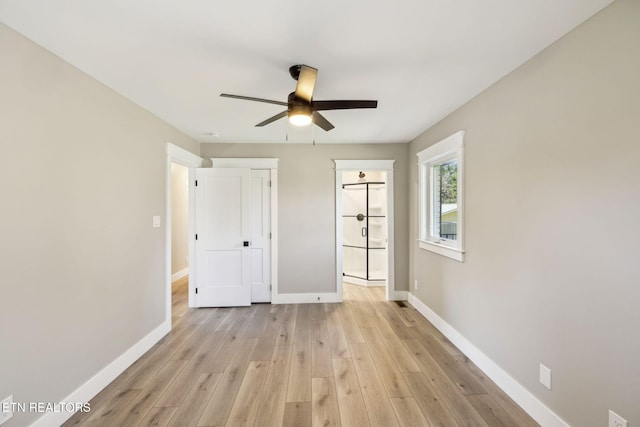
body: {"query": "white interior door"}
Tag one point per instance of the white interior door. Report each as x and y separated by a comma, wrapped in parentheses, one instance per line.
(260, 236)
(223, 230)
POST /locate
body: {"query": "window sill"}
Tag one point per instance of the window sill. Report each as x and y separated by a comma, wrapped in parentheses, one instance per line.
(441, 249)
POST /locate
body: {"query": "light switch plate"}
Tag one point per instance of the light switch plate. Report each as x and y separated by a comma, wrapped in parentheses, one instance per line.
(156, 221)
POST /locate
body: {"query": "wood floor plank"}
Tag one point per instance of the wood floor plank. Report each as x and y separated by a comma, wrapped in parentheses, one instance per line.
(219, 405)
(516, 412)
(139, 406)
(337, 337)
(457, 372)
(362, 308)
(389, 372)
(267, 341)
(158, 417)
(235, 315)
(404, 312)
(287, 329)
(299, 387)
(272, 401)
(245, 406)
(429, 400)
(297, 414)
(169, 347)
(353, 412)
(375, 397)
(104, 416)
(195, 400)
(429, 328)
(224, 355)
(452, 397)
(317, 312)
(200, 363)
(320, 348)
(257, 321)
(391, 341)
(388, 313)
(324, 404)
(491, 411)
(408, 412)
(97, 403)
(349, 323)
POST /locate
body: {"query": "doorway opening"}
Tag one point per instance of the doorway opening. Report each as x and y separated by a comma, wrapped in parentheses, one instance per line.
(364, 228)
(179, 240)
(180, 158)
(364, 225)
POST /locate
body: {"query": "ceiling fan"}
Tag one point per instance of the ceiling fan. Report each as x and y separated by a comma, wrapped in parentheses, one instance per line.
(301, 108)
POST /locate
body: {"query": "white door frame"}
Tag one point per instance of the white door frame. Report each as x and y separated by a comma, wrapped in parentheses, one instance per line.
(367, 165)
(185, 158)
(272, 165)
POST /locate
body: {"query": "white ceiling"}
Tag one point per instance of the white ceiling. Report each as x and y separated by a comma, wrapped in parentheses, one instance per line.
(421, 59)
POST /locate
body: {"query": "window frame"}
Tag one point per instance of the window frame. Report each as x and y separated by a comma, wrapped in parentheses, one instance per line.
(441, 152)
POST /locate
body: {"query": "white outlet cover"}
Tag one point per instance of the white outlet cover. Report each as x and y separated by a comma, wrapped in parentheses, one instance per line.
(616, 420)
(156, 221)
(545, 376)
(6, 409)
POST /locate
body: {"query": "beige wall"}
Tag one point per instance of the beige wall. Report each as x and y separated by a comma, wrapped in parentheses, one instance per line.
(549, 151)
(306, 197)
(179, 217)
(82, 172)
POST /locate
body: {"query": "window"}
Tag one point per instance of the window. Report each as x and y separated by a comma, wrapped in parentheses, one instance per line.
(441, 197)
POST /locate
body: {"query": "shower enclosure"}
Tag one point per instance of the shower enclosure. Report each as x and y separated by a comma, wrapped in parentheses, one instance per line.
(364, 224)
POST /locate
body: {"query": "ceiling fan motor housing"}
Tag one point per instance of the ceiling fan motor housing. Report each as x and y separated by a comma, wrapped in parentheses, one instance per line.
(297, 106)
(294, 71)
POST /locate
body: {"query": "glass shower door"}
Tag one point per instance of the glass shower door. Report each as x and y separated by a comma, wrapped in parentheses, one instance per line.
(354, 223)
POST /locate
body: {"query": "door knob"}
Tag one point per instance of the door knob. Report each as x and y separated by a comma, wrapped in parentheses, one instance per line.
(245, 243)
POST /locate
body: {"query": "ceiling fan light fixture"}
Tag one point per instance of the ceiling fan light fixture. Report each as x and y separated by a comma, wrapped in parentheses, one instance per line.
(300, 119)
(300, 114)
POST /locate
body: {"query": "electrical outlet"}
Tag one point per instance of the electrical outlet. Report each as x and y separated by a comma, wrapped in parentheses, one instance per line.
(545, 376)
(616, 420)
(415, 285)
(6, 409)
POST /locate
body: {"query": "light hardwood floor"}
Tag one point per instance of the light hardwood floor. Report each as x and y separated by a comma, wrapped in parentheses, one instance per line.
(366, 362)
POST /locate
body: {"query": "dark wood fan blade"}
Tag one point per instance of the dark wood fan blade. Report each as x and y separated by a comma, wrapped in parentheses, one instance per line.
(272, 119)
(342, 105)
(249, 98)
(306, 83)
(321, 121)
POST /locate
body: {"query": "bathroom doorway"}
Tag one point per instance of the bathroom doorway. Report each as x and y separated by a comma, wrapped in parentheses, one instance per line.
(364, 228)
(365, 225)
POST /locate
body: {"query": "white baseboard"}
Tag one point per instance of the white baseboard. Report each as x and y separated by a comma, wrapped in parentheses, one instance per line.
(100, 380)
(523, 397)
(306, 298)
(179, 274)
